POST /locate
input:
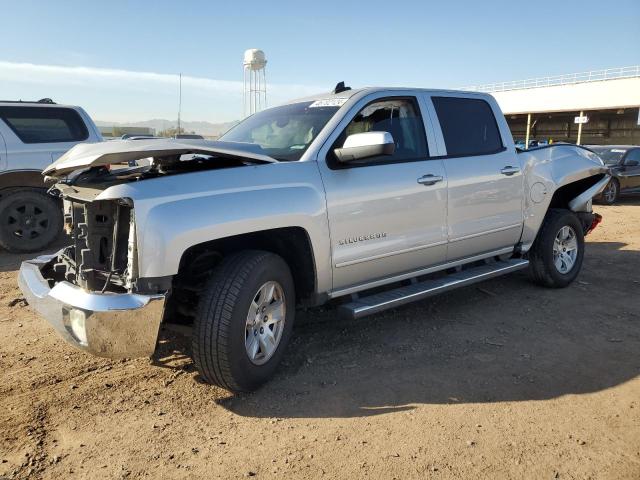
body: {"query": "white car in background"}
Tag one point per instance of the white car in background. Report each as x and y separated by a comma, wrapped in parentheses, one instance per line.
(32, 136)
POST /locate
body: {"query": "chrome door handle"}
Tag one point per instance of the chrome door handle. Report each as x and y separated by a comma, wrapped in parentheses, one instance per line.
(430, 179)
(509, 170)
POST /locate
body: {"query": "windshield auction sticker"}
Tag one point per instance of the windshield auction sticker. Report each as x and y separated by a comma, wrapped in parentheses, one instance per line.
(329, 102)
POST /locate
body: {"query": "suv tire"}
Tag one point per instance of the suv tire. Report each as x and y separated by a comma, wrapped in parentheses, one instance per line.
(555, 259)
(30, 220)
(244, 320)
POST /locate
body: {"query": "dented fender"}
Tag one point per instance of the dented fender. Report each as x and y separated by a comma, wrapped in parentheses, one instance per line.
(548, 169)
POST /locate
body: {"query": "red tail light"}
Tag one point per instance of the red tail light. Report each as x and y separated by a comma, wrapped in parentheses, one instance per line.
(597, 219)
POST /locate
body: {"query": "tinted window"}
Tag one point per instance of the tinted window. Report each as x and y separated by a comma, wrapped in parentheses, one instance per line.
(401, 118)
(468, 126)
(633, 155)
(610, 156)
(44, 124)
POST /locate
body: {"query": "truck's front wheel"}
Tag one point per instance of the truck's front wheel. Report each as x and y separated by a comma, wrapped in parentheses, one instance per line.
(556, 255)
(244, 320)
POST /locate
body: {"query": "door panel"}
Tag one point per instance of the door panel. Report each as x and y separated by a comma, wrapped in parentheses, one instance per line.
(385, 217)
(629, 175)
(485, 182)
(384, 222)
(485, 205)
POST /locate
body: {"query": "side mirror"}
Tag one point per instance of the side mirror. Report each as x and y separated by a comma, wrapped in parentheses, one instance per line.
(365, 145)
(632, 163)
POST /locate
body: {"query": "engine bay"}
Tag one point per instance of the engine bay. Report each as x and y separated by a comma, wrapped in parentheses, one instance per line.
(102, 255)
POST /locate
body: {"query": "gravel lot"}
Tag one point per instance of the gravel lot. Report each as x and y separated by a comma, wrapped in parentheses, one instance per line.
(501, 380)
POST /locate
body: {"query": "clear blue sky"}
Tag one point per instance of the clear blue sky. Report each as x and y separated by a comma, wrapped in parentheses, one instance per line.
(130, 51)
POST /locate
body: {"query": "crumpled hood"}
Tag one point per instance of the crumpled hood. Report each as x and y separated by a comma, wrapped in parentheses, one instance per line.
(86, 155)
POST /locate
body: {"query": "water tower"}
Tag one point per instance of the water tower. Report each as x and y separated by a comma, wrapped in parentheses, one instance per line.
(255, 81)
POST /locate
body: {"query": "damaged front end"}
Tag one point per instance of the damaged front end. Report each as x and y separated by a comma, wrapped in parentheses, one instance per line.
(103, 254)
(87, 290)
(90, 291)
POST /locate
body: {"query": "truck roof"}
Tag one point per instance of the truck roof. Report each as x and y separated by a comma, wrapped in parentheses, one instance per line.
(366, 90)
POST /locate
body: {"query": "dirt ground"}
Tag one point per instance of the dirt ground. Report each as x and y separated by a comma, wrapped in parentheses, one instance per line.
(501, 380)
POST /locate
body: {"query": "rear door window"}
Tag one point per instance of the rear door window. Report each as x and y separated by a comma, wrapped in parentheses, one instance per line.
(45, 124)
(468, 126)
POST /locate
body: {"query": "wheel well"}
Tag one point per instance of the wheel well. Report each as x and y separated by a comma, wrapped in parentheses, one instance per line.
(291, 243)
(10, 181)
(563, 195)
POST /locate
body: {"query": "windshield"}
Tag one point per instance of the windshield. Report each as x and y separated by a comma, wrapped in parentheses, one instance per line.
(610, 156)
(283, 133)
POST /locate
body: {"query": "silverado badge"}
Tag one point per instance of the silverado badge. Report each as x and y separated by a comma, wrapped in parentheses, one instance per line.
(362, 238)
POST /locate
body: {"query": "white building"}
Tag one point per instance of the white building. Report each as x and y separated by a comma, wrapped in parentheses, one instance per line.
(608, 101)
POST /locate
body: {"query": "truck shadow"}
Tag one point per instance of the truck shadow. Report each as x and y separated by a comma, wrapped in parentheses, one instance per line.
(501, 341)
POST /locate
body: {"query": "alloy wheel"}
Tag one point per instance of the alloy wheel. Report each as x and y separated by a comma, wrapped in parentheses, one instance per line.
(565, 249)
(265, 322)
(610, 192)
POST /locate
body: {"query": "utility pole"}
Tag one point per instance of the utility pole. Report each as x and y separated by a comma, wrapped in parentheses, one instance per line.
(526, 138)
(580, 128)
(179, 102)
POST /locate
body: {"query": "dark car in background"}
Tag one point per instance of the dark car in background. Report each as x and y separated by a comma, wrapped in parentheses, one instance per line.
(624, 162)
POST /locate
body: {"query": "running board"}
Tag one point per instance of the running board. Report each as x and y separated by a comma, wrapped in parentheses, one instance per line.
(379, 302)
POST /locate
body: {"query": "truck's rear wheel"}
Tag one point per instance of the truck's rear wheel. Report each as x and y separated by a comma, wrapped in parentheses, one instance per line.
(244, 320)
(30, 220)
(556, 255)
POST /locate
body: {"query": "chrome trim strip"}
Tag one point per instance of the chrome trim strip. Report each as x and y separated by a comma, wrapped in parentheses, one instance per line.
(388, 254)
(416, 273)
(486, 232)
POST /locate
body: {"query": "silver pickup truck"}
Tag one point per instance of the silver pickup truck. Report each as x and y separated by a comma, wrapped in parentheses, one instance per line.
(367, 198)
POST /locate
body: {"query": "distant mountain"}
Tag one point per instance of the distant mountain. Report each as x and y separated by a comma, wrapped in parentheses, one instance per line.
(202, 128)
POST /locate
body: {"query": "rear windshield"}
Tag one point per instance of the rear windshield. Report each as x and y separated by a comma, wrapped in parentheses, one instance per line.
(45, 124)
(285, 132)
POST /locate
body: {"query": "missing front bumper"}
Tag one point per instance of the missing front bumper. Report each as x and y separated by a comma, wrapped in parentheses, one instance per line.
(104, 324)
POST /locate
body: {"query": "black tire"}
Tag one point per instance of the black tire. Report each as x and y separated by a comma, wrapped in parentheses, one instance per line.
(218, 341)
(30, 220)
(611, 192)
(541, 256)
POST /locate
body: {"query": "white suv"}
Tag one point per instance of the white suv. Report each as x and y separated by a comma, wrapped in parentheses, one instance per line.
(33, 135)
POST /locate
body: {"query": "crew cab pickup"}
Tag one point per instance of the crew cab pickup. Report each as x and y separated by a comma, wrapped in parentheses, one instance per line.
(367, 198)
